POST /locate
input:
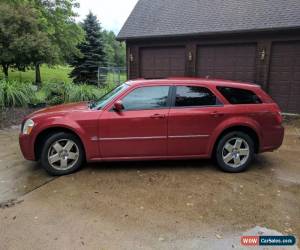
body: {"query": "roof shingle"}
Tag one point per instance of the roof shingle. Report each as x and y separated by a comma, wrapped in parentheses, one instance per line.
(156, 18)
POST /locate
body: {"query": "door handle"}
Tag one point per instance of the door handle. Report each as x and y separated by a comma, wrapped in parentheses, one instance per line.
(158, 116)
(216, 114)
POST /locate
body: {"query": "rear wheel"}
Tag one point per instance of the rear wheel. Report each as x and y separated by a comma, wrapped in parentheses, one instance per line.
(234, 152)
(62, 154)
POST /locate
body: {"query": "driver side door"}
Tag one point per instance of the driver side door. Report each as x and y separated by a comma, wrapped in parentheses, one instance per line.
(140, 129)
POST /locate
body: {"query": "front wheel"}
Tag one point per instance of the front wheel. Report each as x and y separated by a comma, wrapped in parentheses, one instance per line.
(234, 152)
(62, 154)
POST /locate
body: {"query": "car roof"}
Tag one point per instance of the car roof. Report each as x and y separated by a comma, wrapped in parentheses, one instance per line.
(193, 80)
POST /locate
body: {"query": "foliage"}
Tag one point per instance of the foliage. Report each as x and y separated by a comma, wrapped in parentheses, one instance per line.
(86, 67)
(15, 94)
(57, 19)
(38, 99)
(56, 74)
(83, 92)
(114, 50)
(33, 32)
(2, 101)
(56, 93)
(20, 37)
(37, 32)
(19, 94)
(50, 74)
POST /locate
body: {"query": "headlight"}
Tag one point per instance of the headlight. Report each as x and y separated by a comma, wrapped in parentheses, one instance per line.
(28, 126)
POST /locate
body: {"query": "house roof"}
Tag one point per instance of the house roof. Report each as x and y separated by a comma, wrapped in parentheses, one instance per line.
(158, 18)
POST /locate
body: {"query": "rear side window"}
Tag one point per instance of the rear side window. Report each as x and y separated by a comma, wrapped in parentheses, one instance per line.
(194, 96)
(239, 96)
(147, 98)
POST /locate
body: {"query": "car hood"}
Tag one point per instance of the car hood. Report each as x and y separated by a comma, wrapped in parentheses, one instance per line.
(60, 109)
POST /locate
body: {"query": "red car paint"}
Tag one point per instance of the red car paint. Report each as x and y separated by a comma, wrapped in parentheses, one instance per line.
(170, 133)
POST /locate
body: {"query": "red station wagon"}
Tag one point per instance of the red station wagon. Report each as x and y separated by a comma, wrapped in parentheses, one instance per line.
(175, 118)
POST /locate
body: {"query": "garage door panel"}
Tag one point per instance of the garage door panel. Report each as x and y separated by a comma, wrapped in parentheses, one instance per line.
(297, 61)
(231, 62)
(162, 62)
(284, 76)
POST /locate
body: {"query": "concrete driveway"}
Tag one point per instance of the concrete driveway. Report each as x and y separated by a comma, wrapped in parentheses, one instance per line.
(148, 205)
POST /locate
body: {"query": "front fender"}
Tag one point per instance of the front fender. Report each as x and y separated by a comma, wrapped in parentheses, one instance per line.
(69, 124)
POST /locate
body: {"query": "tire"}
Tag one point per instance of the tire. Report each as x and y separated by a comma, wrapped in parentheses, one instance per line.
(62, 154)
(231, 152)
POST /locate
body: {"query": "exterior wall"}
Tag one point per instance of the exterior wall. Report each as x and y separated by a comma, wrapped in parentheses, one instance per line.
(263, 41)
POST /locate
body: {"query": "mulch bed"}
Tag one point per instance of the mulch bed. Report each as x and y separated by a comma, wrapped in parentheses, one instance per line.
(292, 120)
(13, 116)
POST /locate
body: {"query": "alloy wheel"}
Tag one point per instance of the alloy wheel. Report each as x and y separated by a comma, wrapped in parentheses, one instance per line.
(63, 154)
(235, 152)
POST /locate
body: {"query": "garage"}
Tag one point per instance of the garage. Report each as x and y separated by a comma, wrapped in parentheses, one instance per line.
(230, 62)
(162, 62)
(284, 77)
(190, 39)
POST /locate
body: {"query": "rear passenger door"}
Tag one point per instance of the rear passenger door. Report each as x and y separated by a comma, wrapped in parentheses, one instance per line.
(194, 114)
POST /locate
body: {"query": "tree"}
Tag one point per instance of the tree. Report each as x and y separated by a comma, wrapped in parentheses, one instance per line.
(7, 33)
(20, 37)
(10, 33)
(57, 20)
(115, 51)
(92, 49)
(33, 32)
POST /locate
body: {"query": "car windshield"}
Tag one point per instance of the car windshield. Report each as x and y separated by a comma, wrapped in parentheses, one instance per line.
(99, 104)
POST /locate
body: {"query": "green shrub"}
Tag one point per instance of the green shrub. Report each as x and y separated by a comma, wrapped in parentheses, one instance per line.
(56, 93)
(15, 94)
(1, 94)
(38, 97)
(83, 92)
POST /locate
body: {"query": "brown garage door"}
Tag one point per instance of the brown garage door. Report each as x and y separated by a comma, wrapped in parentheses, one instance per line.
(162, 62)
(230, 62)
(284, 77)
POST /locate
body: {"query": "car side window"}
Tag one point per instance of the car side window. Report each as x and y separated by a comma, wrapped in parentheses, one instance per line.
(187, 96)
(239, 96)
(145, 98)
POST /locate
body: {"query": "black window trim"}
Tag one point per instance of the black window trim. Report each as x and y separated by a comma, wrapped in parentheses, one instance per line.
(173, 98)
(239, 88)
(145, 86)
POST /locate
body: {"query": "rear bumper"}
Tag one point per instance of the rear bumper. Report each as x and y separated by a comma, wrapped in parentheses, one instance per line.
(272, 139)
(26, 146)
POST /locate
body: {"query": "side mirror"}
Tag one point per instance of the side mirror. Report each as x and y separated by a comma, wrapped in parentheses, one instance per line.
(118, 106)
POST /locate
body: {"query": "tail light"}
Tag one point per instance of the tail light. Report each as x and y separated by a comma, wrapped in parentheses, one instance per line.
(278, 116)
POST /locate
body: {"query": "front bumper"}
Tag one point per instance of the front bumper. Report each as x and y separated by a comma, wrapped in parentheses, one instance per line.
(27, 147)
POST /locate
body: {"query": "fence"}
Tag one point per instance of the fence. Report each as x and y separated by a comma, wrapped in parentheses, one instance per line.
(111, 75)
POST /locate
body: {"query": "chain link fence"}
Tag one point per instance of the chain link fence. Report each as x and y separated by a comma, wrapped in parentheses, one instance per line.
(111, 75)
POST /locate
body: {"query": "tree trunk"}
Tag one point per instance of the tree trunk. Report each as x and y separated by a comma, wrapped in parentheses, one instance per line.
(38, 79)
(5, 70)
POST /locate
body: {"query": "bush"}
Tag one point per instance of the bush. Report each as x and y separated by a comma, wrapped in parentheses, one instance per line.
(83, 92)
(56, 93)
(15, 94)
(1, 95)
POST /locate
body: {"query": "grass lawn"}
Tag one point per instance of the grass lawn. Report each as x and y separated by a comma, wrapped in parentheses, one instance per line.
(49, 74)
(55, 74)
